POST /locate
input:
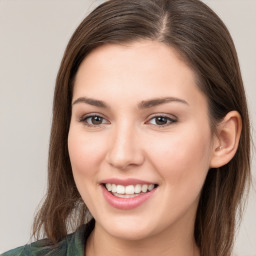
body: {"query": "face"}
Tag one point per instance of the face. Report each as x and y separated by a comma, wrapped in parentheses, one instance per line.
(140, 142)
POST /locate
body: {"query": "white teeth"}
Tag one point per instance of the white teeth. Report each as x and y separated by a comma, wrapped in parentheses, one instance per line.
(109, 187)
(126, 191)
(137, 188)
(126, 196)
(120, 189)
(150, 187)
(129, 190)
(144, 188)
(113, 187)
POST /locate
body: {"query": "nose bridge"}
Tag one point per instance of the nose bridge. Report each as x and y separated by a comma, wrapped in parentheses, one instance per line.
(124, 148)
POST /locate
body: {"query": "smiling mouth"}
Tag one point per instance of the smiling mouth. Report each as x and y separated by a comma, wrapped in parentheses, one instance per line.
(129, 191)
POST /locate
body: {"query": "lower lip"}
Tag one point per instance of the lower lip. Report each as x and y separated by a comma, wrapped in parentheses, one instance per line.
(126, 203)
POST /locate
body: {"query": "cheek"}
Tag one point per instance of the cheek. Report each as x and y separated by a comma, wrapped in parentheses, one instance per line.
(85, 152)
(182, 158)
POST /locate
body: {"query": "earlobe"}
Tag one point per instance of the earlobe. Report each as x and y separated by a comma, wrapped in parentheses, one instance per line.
(226, 139)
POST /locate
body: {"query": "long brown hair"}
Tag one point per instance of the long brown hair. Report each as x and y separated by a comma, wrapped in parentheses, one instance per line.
(204, 42)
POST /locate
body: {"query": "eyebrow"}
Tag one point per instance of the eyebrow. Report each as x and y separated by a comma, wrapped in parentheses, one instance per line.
(158, 101)
(142, 105)
(90, 101)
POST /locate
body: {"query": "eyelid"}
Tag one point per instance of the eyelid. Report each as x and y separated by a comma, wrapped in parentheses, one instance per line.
(172, 118)
(87, 116)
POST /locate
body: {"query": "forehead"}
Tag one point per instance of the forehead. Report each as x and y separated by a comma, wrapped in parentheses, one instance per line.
(147, 55)
(143, 69)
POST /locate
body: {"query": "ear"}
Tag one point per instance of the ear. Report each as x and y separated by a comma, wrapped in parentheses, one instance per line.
(226, 139)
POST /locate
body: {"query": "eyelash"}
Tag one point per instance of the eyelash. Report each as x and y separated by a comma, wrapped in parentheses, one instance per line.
(169, 120)
(84, 120)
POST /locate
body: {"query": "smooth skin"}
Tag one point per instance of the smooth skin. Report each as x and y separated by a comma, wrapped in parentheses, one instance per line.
(170, 144)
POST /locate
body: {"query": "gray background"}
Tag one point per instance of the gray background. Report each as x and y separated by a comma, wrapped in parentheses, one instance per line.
(33, 36)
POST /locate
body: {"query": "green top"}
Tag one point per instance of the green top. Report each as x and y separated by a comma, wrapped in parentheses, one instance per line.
(72, 245)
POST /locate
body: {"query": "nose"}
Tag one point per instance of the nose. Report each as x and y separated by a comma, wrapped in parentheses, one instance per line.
(124, 148)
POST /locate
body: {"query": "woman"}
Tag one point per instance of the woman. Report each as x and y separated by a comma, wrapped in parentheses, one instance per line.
(150, 142)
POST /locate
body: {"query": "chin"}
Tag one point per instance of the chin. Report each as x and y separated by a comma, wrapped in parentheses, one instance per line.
(128, 234)
(129, 228)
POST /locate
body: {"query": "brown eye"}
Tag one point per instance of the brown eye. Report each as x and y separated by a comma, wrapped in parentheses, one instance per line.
(162, 121)
(96, 120)
(93, 120)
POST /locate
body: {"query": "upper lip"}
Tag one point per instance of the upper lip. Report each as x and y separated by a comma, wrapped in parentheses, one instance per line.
(125, 182)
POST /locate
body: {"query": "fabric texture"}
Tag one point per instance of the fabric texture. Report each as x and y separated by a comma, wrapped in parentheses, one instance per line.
(72, 245)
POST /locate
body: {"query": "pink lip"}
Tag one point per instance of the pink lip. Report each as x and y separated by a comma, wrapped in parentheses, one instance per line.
(125, 182)
(126, 203)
